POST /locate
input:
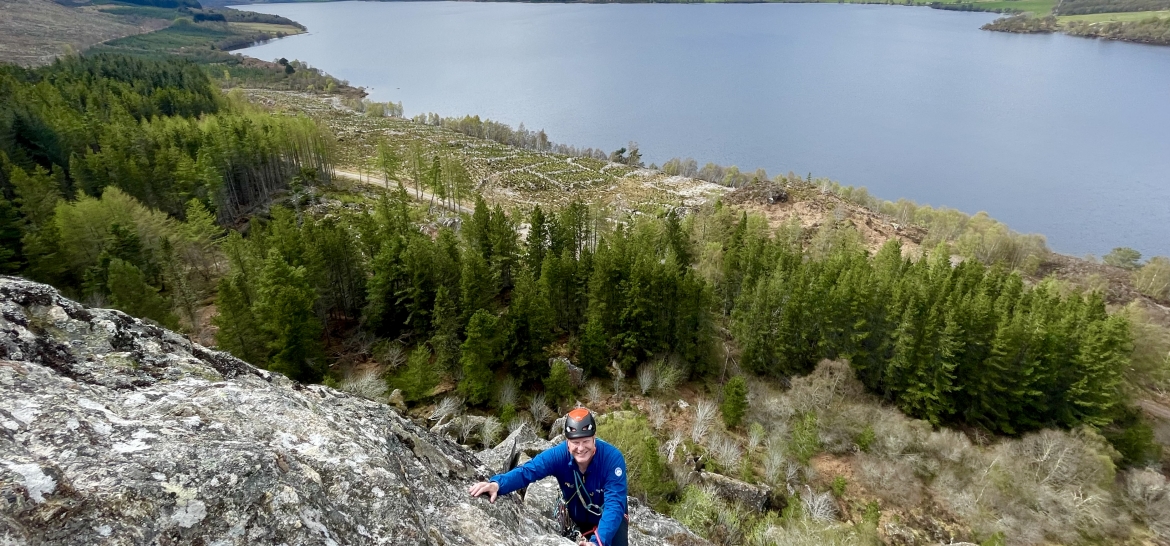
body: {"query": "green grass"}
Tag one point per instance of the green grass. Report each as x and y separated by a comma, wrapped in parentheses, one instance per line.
(1108, 17)
(268, 28)
(1036, 7)
(173, 38)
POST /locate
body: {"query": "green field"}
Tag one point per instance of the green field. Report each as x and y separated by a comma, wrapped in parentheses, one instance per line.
(1036, 7)
(173, 38)
(267, 28)
(1109, 17)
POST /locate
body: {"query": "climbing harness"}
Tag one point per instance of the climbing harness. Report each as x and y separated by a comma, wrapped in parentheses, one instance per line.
(569, 528)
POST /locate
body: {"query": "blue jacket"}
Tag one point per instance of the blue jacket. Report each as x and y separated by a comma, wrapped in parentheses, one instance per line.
(604, 479)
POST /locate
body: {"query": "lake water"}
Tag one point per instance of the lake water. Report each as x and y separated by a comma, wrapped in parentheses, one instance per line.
(1063, 136)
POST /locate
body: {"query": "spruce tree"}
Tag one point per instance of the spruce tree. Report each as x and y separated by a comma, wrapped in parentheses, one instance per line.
(239, 331)
(481, 355)
(478, 285)
(594, 352)
(130, 292)
(558, 385)
(445, 341)
(418, 377)
(537, 241)
(284, 311)
(11, 252)
(734, 404)
(529, 324)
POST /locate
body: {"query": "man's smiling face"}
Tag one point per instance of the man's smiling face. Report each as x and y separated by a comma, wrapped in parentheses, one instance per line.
(582, 450)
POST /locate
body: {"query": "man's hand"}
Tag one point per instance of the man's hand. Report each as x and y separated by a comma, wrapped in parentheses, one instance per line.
(491, 488)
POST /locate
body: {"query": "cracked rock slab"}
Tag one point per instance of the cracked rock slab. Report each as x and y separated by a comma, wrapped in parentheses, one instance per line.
(114, 431)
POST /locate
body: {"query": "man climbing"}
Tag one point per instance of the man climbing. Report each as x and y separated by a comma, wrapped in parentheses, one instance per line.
(592, 476)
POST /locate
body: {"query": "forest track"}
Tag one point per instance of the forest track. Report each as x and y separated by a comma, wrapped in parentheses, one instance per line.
(419, 195)
(1153, 408)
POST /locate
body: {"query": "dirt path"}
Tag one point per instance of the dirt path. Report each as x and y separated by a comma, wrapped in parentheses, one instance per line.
(1155, 409)
(425, 195)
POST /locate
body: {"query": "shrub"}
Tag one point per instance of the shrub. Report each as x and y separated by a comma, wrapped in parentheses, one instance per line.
(507, 414)
(507, 393)
(756, 435)
(804, 441)
(451, 406)
(865, 439)
(1153, 279)
(489, 432)
(1148, 497)
(539, 409)
(656, 410)
(366, 384)
(705, 411)
(648, 475)
(594, 392)
(725, 452)
(668, 376)
(646, 378)
(696, 509)
(838, 486)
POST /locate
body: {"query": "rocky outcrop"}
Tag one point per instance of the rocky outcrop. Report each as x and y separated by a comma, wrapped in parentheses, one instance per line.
(115, 431)
(752, 497)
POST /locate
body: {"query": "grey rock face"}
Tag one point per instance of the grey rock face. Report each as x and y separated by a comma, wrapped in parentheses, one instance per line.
(114, 431)
(751, 496)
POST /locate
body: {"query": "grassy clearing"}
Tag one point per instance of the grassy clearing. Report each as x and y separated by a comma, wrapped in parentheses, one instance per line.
(173, 38)
(1115, 17)
(267, 28)
(1037, 7)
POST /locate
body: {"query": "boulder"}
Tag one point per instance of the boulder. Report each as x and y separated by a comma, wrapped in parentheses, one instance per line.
(528, 445)
(752, 497)
(576, 374)
(453, 428)
(116, 431)
(397, 401)
(652, 524)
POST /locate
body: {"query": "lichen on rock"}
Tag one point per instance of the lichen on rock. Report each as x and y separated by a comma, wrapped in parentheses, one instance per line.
(116, 431)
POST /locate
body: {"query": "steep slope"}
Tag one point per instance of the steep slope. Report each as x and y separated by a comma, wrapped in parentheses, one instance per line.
(34, 32)
(115, 431)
